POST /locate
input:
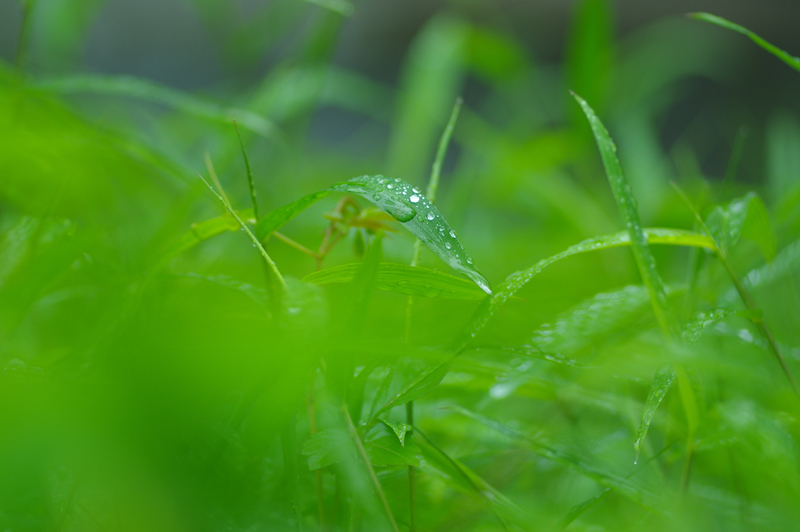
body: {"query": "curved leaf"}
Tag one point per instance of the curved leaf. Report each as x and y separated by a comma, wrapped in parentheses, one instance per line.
(409, 206)
(745, 216)
(403, 279)
(790, 60)
(274, 220)
(207, 229)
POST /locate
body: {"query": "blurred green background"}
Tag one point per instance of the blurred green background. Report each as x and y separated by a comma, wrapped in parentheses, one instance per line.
(148, 390)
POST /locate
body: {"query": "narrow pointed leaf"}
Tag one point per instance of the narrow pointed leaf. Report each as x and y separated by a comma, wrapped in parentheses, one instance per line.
(790, 60)
(661, 383)
(410, 207)
(400, 429)
(274, 220)
(425, 382)
(404, 279)
(694, 328)
(629, 213)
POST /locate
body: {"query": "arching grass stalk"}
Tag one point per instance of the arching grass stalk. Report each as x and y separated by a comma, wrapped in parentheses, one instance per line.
(745, 296)
(272, 266)
(430, 193)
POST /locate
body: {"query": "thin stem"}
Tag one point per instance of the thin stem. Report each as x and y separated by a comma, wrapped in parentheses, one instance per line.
(312, 425)
(249, 173)
(213, 174)
(272, 266)
(294, 244)
(373, 478)
(430, 193)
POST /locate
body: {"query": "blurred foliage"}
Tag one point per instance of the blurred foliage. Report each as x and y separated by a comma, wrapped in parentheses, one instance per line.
(156, 376)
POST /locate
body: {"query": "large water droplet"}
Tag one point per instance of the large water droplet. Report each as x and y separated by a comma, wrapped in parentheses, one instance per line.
(430, 216)
(390, 186)
(415, 189)
(452, 234)
(469, 260)
(447, 245)
(414, 198)
(399, 211)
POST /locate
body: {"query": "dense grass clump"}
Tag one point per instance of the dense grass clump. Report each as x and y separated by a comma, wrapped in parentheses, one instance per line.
(211, 319)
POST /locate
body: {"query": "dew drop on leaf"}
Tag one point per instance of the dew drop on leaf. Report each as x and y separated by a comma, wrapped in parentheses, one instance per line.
(448, 245)
(414, 198)
(431, 216)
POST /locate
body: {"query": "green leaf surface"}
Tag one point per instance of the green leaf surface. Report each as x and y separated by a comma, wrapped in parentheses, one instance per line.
(149, 91)
(387, 451)
(629, 214)
(743, 216)
(404, 279)
(590, 53)
(609, 480)
(326, 447)
(424, 383)
(790, 60)
(661, 384)
(409, 206)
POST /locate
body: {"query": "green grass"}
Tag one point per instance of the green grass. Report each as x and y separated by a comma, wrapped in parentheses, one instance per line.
(556, 344)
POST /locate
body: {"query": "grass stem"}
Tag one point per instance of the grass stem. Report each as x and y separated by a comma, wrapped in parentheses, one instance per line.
(362, 452)
(249, 172)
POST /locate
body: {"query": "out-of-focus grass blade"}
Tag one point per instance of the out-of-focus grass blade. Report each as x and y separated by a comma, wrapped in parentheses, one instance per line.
(404, 280)
(465, 479)
(786, 264)
(274, 220)
(201, 231)
(783, 161)
(661, 383)
(343, 7)
(629, 213)
(534, 351)
(431, 80)
(590, 52)
(141, 89)
(790, 60)
(746, 216)
(409, 206)
(621, 485)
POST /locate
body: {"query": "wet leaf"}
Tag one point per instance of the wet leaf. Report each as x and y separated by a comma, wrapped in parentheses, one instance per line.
(629, 214)
(425, 382)
(409, 206)
(404, 279)
(695, 327)
(400, 429)
(661, 384)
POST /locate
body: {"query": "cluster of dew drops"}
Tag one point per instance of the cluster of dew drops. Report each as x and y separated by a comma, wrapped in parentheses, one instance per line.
(415, 196)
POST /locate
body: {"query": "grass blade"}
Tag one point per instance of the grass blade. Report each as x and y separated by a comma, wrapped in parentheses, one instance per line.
(343, 7)
(274, 220)
(630, 215)
(403, 279)
(141, 89)
(250, 183)
(790, 60)
(661, 384)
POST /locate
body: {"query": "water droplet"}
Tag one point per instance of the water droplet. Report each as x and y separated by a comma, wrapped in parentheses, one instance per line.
(469, 260)
(414, 199)
(390, 186)
(447, 245)
(376, 197)
(452, 234)
(431, 216)
(441, 229)
(415, 189)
